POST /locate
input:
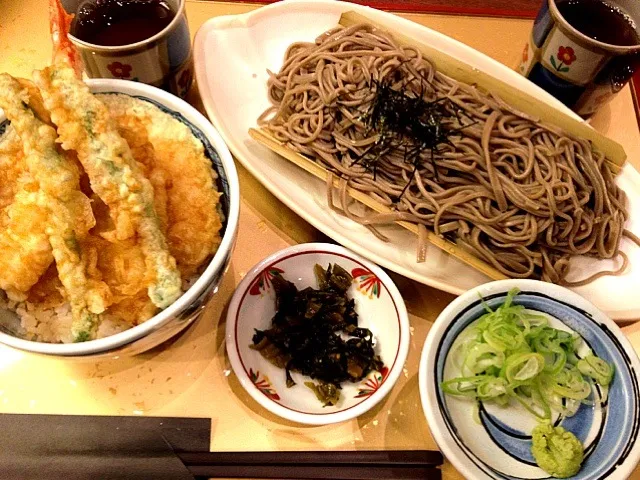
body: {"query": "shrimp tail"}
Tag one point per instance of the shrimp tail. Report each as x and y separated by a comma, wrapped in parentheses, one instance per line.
(63, 50)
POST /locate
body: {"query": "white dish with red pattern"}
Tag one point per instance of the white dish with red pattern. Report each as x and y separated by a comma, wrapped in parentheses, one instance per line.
(379, 306)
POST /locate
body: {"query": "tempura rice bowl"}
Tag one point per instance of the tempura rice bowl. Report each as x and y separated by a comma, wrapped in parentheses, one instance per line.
(187, 308)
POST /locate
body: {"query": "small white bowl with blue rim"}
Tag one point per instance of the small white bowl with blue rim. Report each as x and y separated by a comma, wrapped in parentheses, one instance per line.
(498, 446)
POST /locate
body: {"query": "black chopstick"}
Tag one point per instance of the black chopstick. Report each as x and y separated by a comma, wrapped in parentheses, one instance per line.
(315, 472)
(407, 458)
(362, 464)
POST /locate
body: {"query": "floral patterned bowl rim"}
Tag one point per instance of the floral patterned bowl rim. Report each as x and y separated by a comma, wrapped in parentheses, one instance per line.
(369, 391)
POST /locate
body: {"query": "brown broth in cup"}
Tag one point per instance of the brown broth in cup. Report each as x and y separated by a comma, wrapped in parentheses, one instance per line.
(613, 26)
(121, 22)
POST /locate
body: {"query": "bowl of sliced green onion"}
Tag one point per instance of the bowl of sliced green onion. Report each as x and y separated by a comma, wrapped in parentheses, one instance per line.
(526, 379)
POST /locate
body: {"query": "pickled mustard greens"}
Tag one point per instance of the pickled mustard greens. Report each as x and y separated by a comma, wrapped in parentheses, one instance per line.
(512, 353)
(315, 332)
(557, 451)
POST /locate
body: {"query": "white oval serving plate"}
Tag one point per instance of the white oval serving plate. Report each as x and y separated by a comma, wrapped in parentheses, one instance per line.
(232, 55)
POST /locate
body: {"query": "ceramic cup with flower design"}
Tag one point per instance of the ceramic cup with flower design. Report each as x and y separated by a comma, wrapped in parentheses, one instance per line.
(583, 51)
(163, 59)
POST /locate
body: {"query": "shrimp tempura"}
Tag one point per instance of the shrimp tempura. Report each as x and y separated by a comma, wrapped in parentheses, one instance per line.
(68, 211)
(84, 125)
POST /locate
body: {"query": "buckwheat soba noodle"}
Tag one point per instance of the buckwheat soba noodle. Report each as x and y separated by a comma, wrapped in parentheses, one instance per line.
(521, 195)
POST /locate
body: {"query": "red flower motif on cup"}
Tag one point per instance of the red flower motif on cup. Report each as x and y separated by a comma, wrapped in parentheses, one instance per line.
(120, 70)
(566, 55)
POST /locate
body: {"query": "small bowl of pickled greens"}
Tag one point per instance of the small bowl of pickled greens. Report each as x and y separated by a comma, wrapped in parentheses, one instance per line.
(526, 379)
(317, 334)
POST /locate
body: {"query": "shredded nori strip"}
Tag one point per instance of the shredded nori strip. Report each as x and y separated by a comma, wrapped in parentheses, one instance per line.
(315, 332)
(408, 123)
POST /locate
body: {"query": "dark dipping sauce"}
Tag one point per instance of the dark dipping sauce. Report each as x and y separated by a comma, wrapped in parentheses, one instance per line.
(600, 21)
(121, 22)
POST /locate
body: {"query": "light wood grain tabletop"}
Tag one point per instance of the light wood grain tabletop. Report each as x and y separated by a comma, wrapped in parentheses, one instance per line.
(191, 375)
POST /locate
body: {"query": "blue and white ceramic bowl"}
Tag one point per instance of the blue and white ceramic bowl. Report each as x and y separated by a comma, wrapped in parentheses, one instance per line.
(187, 308)
(498, 446)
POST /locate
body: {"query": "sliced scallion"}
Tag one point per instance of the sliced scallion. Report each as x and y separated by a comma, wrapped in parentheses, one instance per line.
(510, 352)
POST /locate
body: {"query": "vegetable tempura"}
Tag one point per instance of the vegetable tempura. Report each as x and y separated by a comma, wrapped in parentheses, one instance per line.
(108, 204)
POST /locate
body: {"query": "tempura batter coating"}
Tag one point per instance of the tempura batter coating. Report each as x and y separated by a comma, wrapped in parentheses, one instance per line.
(12, 166)
(174, 159)
(26, 252)
(56, 175)
(69, 215)
(85, 126)
(185, 199)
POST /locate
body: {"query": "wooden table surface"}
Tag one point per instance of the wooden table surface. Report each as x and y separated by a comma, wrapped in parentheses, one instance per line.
(191, 375)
